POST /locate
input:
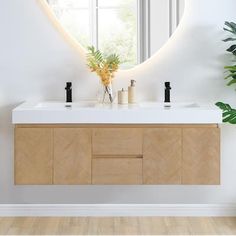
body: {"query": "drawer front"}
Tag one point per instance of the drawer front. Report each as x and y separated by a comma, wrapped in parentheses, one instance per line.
(118, 141)
(117, 171)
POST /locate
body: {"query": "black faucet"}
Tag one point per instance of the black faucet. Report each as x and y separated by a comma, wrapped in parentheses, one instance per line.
(167, 91)
(68, 89)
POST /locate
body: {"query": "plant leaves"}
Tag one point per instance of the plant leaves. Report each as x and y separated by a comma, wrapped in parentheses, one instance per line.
(228, 30)
(113, 59)
(231, 26)
(230, 68)
(233, 75)
(102, 64)
(224, 106)
(233, 81)
(231, 48)
(229, 114)
(94, 57)
(231, 118)
(229, 39)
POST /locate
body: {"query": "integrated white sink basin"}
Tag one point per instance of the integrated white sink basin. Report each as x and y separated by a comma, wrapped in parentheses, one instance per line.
(60, 105)
(169, 105)
(90, 112)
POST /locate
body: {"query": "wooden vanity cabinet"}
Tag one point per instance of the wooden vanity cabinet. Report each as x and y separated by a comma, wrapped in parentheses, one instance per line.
(135, 154)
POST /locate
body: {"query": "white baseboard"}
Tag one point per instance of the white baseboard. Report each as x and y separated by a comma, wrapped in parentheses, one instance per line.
(197, 210)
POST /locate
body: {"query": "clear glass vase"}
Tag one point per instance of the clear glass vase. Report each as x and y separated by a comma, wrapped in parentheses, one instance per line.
(106, 94)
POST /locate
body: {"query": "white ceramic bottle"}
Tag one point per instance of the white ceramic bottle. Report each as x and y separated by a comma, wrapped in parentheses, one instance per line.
(132, 92)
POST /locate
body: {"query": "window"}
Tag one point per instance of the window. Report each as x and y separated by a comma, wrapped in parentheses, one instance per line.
(113, 26)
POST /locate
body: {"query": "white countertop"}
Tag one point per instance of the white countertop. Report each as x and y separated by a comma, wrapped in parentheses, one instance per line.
(89, 112)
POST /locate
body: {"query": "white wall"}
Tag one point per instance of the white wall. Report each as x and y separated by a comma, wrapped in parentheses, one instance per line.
(36, 61)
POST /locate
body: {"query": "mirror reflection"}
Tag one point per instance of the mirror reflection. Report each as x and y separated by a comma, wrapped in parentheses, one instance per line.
(133, 29)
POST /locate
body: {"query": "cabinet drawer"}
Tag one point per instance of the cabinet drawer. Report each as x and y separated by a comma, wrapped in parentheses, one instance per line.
(117, 141)
(117, 171)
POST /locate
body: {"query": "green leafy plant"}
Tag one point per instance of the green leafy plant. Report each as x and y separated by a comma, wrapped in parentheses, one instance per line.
(95, 58)
(229, 114)
(231, 27)
(104, 66)
(231, 70)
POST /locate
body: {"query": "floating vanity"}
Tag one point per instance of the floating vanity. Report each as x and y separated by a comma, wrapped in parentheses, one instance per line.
(87, 143)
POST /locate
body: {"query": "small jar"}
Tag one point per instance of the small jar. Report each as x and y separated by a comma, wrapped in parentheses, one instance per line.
(122, 97)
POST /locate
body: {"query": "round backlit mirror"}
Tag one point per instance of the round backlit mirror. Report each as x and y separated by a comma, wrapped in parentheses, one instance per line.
(133, 29)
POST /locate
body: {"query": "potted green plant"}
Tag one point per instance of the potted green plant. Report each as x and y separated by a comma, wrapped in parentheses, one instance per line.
(229, 114)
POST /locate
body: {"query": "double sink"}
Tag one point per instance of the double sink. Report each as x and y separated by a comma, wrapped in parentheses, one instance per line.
(90, 112)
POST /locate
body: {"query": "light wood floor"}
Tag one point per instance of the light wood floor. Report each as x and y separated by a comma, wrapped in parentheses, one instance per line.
(118, 225)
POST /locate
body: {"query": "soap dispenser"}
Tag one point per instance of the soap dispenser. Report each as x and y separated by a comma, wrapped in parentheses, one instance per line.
(132, 92)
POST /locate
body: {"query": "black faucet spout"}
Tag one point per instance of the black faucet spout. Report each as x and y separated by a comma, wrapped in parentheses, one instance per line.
(167, 92)
(68, 89)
